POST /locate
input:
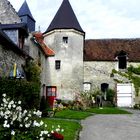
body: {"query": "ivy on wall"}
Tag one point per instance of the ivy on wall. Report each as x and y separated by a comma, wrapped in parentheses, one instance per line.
(132, 74)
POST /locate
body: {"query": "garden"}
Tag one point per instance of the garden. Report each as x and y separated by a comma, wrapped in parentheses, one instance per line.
(24, 116)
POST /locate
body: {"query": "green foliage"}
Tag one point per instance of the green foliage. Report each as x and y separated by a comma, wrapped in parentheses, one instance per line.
(32, 71)
(108, 110)
(110, 95)
(43, 107)
(72, 114)
(71, 128)
(133, 74)
(27, 92)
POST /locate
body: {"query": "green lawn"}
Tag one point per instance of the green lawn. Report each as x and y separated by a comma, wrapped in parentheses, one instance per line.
(108, 110)
(71, 128)
(71, 114)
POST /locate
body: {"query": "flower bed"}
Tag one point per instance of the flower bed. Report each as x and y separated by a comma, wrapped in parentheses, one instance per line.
(19, 124)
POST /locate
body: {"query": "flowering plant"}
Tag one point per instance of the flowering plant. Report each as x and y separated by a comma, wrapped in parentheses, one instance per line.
(19, 124)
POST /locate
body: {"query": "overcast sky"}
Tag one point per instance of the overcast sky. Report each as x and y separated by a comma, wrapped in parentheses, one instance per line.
(98, 18)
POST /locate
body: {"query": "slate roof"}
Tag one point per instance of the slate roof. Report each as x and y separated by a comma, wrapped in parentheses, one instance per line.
(25, 11)
(65, 18)
(39, 38)
(21, 26)
(108, 49)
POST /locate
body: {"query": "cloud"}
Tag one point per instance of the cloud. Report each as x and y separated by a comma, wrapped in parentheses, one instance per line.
(98, 18)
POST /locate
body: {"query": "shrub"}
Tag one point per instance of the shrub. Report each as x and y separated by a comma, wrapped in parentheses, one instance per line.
(19, 124)
(23, 90)
(110, 95)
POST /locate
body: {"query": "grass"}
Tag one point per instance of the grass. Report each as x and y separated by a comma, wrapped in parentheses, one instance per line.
(71, 128)
(65, 119)
(108, 110)
(71, 114)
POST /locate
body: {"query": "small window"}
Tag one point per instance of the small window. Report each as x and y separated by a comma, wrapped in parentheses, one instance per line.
(122, 60)
(57, 64)
(87, 86)
(65, 40)
(51, 91)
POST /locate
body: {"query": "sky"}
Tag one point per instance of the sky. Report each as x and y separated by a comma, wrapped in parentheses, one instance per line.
(100, 19)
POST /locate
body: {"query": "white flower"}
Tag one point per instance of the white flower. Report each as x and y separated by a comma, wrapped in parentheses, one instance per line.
(4, 100)
(62, 130)
(12, 102)
(21, 125)
(41, 123)
(12, 132)
(26, 118)
(57, 129)
(27, 125)
(4, 95)
(14, 105)
(41, 138)
(19, 102)
(9, 106)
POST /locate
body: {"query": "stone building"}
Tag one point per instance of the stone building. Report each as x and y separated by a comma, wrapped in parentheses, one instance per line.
(13, 34)
(69, 63)
(66, 37)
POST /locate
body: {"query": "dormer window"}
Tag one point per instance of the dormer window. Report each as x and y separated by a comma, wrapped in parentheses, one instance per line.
(65, 40)
(122, 60)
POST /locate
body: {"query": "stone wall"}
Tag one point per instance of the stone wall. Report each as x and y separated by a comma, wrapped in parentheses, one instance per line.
(8, 15)
(34, 52)
(69, 78)
(98, 72)
(7, 60)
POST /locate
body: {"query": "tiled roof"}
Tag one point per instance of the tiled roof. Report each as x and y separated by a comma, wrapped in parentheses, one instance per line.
(107, 49)
(39, 38)
(65, 18)
(25, 11)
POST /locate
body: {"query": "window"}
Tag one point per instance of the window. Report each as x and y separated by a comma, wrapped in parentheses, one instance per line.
(122, 60)
(51, 91)
(57, 64)
(104, 87)
(65, 40)
(87, 86)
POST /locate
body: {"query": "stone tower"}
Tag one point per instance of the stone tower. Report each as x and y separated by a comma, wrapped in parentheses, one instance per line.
(26, 16)
(66, 37)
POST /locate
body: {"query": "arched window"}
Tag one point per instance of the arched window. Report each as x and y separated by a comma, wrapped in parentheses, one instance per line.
(104, 87)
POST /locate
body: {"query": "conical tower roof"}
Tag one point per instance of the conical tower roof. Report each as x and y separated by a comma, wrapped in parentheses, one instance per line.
(25, 11)
(65, 18)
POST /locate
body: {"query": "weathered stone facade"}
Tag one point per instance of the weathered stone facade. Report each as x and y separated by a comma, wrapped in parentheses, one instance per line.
(7, 60)
(98, 72)
(69, 78)
(8, 15)
(40, 58)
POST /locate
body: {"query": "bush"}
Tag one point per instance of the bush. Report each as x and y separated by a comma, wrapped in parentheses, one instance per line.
(23, 90)
(110, 95)
(19, 124)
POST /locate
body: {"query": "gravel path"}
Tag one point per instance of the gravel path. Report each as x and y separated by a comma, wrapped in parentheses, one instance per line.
(112, 127)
